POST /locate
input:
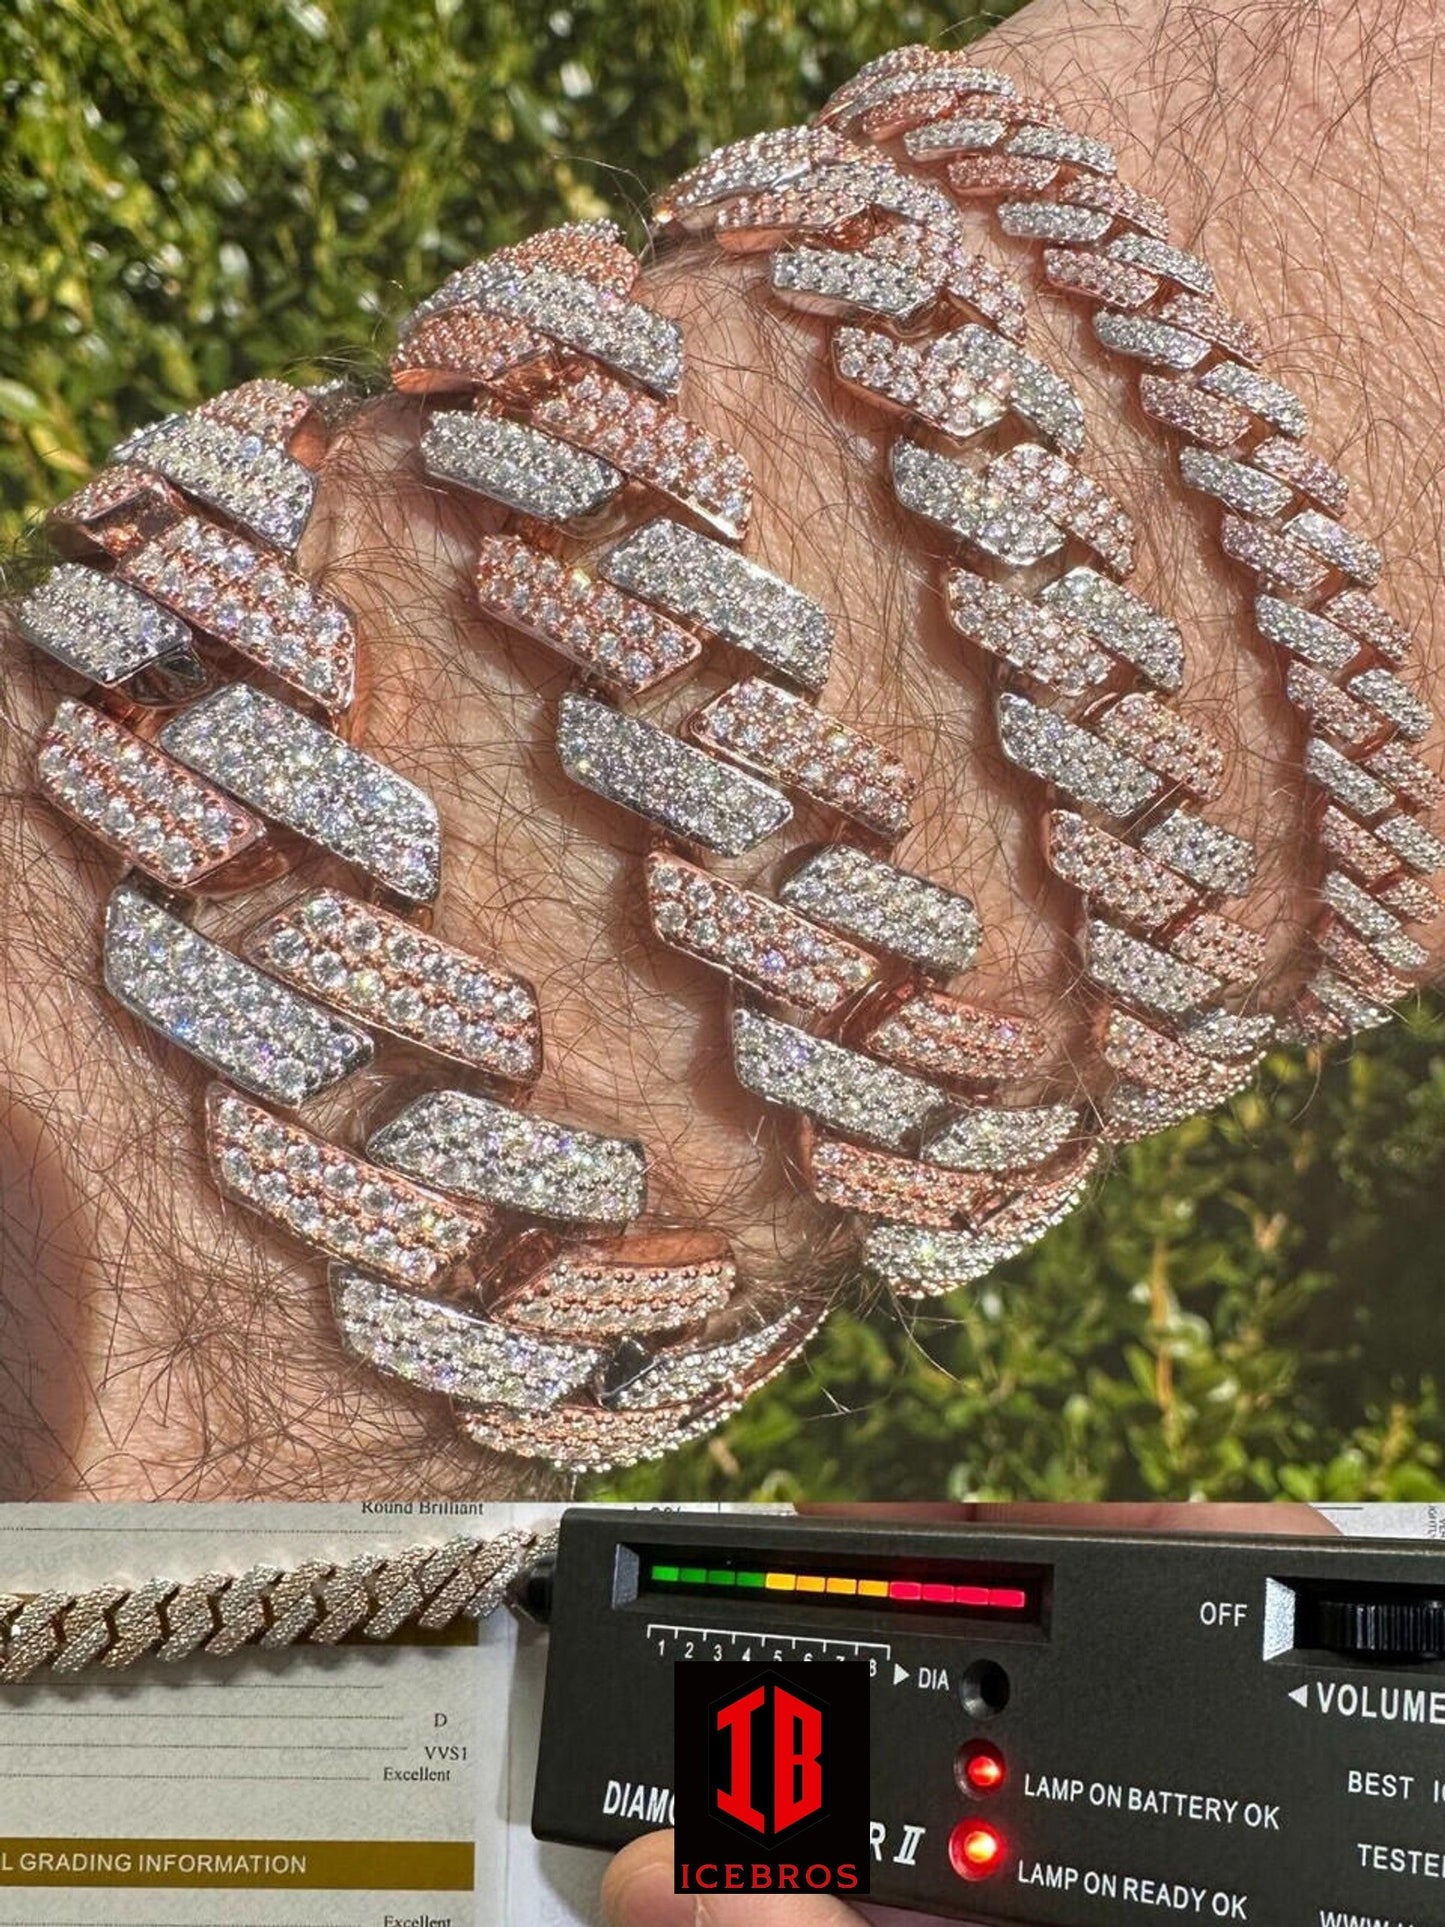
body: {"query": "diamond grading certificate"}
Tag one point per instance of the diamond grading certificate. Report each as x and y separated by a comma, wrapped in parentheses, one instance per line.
(298, 1788)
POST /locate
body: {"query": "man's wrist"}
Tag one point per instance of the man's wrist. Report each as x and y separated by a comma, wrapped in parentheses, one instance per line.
(637, 1034)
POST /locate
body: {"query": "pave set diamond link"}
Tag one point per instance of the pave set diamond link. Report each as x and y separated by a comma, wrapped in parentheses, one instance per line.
(1084, 665)
(476, 1251)
(319, 1602)
(1243, 445)
(839, 1013)
(503, 1260)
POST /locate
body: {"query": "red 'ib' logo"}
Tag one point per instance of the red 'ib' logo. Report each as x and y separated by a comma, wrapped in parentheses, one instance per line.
(771, 1776)
(774, 1759)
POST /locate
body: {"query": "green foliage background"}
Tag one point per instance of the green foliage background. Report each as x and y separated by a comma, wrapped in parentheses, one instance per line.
(193, 192)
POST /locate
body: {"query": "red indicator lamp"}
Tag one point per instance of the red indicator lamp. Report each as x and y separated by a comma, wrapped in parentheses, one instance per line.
(976, 1850)
(980, 1768)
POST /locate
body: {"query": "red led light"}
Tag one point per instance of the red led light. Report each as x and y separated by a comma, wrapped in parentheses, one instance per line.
(931, 1593)
(983, 1768)
(975, 1850)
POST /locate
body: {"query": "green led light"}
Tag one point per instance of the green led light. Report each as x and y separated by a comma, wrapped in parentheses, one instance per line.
(666, 1575)
(722, 1579)
(693, 1576)
(750, 1579)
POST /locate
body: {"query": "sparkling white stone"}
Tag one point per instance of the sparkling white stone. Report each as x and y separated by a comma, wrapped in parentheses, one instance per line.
(287, 767)
(233, 1017)
(642, 767)
(480, 1149)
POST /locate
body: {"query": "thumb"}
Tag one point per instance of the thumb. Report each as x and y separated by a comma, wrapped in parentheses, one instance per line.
(637, 1892)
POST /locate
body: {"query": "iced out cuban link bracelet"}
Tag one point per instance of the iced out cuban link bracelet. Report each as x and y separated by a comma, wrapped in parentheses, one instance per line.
(515, 1284)
(1244, 446)
(838, 962)
(1084, 665)
(376, 1596)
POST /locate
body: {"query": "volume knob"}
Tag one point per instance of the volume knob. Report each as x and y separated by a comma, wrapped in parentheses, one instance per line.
(1402, 1629)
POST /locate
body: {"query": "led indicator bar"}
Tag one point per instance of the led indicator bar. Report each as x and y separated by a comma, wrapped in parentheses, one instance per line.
(925, 1592)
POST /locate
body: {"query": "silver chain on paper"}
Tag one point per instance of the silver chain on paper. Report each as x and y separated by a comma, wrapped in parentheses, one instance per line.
(316, 1603)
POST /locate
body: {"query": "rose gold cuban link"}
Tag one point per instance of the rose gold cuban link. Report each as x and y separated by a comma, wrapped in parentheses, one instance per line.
(841, 218)
(839, 966)
(523, 1287)
(373, 1597)
(1243, 446)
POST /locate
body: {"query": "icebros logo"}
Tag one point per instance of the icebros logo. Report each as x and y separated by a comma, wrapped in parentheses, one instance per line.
(771, 1777)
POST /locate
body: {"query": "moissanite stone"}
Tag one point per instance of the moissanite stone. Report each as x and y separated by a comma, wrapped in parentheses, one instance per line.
(650, 442)
(683, 1373)
(703, 581)
(1212, 857)
(640, 1283)
(760, 942)
(574, 311)
(1032, 390)
(924, 1261)
(844, 1088)
(622, 642)
(244, 1024)
(1047, 221)
(375, 966)
(577, 1437)
(1121, 622)
(1040, 642)
(1389, 697)
(1062, 144)
(1140, 971)
(1278, 405)
(913, 69)
(914, 378)
(960, 499)
(939, 1035)
(992, 1138)
(781, 735)
(1154, 341)
(751, 166)
(1124, 882)
(1236, 484)
(332, 1200)
(139, 802)
(481, 1149)
(445, 1349)
(640, 766)
(1311, 637)
(518, 466)
(251, 480)
(833, 280)
(273, 758)
(1173, 264)
(880, 904)
(97, 625)
(248, 599)
(1082, 764)
(881, 1184)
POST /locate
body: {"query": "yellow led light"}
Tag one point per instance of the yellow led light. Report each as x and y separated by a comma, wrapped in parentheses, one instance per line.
(849, 1586)
(810, 1582)
(782, 1581)
(873, 1588)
